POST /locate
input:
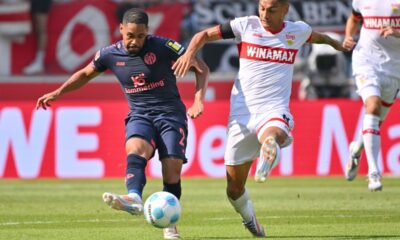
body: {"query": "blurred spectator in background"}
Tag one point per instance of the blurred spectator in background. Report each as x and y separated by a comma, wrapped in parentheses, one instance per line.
(124, 5)
(188, 25)
(325, 73)
(39, 11)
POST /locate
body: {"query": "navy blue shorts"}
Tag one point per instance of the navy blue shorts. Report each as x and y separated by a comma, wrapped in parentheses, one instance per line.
(167, 133)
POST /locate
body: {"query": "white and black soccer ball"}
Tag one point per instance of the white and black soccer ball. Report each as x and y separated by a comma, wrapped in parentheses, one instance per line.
(162, 209)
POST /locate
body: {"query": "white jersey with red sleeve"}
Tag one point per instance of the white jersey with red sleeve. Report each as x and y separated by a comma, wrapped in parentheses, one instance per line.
(373, 52)
(266, 66)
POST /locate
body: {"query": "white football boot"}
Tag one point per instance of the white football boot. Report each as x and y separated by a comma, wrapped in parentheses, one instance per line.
(353, 162)
(374, 182)
(171, 233)
(269, 159)
(131, 203)
(255, 227)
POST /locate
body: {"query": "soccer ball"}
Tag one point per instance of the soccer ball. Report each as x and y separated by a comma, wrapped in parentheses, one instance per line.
(162, 209)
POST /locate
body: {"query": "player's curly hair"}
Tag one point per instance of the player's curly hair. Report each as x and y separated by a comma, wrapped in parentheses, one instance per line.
(135, 15)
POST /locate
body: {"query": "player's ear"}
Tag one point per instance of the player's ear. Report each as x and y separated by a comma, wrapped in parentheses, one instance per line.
(121, 27)
(286, 8)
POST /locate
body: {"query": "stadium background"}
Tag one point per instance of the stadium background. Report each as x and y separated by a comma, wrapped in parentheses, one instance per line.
(82, 135)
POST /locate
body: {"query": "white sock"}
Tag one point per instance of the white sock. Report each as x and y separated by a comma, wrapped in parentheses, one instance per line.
(243, 206)
(372, 141)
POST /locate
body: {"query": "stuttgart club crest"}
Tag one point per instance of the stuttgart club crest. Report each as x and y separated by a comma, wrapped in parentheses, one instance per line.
(150, 58)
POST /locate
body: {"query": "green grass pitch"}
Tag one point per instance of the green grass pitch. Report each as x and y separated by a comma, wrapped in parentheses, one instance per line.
(288, 207)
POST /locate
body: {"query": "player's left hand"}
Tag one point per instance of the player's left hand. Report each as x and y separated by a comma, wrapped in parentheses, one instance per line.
(338, 46)
(196, 109)
(387, 31)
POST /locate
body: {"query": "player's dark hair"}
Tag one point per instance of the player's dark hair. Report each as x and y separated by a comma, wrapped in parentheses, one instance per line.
(281, 1)
(135, 15)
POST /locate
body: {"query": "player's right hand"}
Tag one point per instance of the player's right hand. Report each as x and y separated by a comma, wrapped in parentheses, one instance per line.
(44, 101)
(183, 64)
(348, 43)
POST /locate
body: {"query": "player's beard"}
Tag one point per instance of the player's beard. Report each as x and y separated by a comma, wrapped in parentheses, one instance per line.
(133, 49)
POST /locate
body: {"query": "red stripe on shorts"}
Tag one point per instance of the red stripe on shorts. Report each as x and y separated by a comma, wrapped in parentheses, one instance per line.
(274, 119)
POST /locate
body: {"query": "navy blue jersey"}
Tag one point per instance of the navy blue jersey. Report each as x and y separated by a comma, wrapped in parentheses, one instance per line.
(146, 78)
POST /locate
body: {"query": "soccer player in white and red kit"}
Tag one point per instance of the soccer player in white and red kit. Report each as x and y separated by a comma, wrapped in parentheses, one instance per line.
(260, 120)
(376, 68)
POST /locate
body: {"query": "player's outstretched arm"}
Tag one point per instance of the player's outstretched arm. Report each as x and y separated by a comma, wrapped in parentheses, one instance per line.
(321, 38)
(390, 31)
(186, 61)
(197, 107)
(77, 80)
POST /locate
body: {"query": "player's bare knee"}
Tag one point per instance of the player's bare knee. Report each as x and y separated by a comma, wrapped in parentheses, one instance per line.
(140, 148)
(373, 105)
(373, 109)
(234, 191)
(279, 137)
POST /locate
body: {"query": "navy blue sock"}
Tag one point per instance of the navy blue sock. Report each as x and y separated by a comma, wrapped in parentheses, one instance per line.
(174, 188)
(135, 178)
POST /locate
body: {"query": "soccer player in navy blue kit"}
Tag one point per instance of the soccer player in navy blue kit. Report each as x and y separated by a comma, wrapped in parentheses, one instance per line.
(157, 118)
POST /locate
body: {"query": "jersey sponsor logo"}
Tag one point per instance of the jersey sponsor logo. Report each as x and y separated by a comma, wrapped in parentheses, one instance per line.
(268, 54)
(145, 87)
(150, 58)
(138, 80)
(175, 46)
(378, 22)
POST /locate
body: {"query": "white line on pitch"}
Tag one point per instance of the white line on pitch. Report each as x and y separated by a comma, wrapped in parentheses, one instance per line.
(299, 216)
(61, 222)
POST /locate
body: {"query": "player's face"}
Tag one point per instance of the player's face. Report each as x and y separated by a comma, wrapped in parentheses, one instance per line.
(133, 36)
(272, 14)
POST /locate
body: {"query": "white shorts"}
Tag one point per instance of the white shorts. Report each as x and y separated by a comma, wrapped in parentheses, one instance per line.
(377, 84)
(244, 131)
